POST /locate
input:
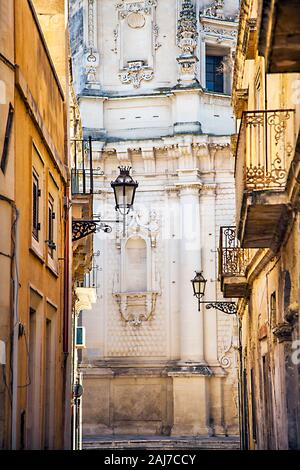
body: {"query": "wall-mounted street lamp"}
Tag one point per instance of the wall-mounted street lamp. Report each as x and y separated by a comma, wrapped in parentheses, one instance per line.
(124, 188)
(199, 285)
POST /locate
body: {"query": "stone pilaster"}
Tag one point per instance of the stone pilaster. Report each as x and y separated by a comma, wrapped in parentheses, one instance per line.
(208, 233)
(190, 402)
(191, 321)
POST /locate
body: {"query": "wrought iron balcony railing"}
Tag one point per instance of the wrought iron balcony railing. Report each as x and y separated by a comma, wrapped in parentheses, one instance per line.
(265, 150)
(90, 279)
(82, 172)
(233, 260)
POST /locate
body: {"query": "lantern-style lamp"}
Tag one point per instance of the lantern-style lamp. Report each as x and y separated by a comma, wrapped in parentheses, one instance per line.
(199, 284)
(124, 189)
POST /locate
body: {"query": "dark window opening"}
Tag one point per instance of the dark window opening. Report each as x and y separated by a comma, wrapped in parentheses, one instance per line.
(7, 136)
(51, 217)
(36, 192)
(273, 311)
(214, 73)
(253, 406)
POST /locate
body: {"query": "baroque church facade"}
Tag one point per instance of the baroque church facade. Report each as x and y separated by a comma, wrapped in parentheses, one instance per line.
(153, 81)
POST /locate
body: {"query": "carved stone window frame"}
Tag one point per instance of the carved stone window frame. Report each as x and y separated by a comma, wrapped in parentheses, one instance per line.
(138, 307)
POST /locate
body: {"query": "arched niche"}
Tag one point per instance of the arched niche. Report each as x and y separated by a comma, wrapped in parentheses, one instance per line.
(135, 265)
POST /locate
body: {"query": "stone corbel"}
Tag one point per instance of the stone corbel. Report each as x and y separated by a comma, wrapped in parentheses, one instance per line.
(172, 151)
(283, 332)
(241, 101)
(149, 160)
(136, 307)
(123, 156)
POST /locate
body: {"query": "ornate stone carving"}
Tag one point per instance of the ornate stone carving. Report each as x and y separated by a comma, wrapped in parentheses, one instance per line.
(148, 224)
(125, 9)
(157, 44)
(187, 28)
(136, 20)
(135, 73)
(283, 332)
(116, 36)
(221, 33)
(214, 10)
(225, 361)
(187, 35)
(136, 307)
(91, 56)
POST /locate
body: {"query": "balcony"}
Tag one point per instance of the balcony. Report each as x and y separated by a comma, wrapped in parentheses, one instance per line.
(89, 280)
(265, 150)
(82, 172)
(233, 262)
(82, 184)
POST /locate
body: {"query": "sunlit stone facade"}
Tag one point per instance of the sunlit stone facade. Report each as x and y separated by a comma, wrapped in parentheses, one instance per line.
(153, 80)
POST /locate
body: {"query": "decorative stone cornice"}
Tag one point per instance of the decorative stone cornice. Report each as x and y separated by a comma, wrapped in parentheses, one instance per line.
(209, 190)
(145, 6)
(190, 370)
(189, 188)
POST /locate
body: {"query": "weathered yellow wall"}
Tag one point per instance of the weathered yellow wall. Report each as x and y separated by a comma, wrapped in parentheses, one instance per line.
(45, 89)
(53, 22)
(34, 268)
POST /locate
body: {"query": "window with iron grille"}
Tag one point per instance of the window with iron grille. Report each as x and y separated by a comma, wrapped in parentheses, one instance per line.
(36, 192)
(51, 218)
(214, 73)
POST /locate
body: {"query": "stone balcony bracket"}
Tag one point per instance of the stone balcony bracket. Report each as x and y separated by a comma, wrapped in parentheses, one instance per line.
(85, 297)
